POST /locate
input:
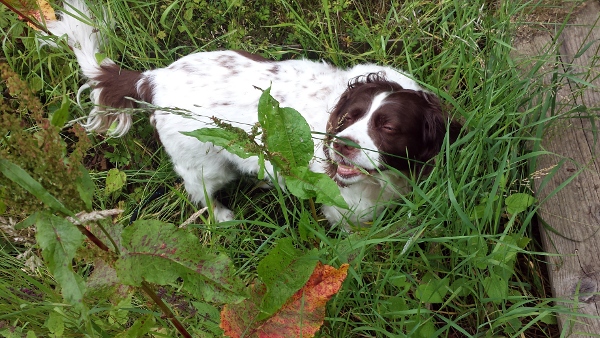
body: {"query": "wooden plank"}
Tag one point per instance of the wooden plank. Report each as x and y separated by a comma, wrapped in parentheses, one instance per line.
(573, 212)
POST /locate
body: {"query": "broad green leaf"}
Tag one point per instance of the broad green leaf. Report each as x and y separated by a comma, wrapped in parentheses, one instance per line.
(55, 324)
(161, 253)
(36, 83)
(351, 247)
(461, 287)
(305, 225)
(22, 178)
(548, 318)
(85, 187)
(420, 327)
(401, 283)
(432, 289)
(305, 184)
(522, 242)
(512, 326)
(11, 332)
(478, 212)
(496, 288)
(507, 249)
(118, 314)
(503, 257)
(103, 283)
(476, 245)
(288, 133)
(61, 115)
(518, 202)
(283, 271)
(100, 57)
(397, 304)
(231, 141)
(209, 318)
(27, 222)
(140, 327)
(115, 181)
(59, 240)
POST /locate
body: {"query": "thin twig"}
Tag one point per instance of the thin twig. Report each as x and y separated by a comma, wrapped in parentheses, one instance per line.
(93, 238)
(313, 209)
(193, 217)
(84, 217)
(165, 309)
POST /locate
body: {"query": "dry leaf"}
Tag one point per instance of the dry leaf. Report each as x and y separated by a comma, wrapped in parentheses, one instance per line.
(40, 10)
(301, 316)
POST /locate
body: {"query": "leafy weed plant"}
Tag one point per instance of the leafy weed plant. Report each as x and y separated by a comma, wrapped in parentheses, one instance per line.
(456, 257)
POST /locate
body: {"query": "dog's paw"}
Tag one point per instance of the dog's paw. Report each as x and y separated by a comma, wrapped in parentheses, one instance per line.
(267, 183)
(221, 213)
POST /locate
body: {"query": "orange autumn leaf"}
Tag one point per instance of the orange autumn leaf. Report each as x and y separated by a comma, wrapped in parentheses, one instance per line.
(301, 316)
(40, 10)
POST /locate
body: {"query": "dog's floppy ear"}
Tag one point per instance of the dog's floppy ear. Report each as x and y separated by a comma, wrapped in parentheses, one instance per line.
(434, 127)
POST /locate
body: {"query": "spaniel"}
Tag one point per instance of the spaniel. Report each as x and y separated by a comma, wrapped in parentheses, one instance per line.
(378, 123)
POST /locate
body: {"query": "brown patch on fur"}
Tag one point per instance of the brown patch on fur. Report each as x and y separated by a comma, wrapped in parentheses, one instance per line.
(253, 57)
(117, 84)
(186, 67)
(226, 61)
(274, 69)
(145, 90)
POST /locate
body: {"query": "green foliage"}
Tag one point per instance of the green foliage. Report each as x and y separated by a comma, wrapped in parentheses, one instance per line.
(283, 271)
(115, 181)
(19, 176)
(160, 253)
(518, 202)
(287, 134)
(432, 289)
(32, 143)
(59, 240)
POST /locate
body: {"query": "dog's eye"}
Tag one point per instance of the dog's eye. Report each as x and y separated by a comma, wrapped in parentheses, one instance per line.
(347, 119)
(388, 127)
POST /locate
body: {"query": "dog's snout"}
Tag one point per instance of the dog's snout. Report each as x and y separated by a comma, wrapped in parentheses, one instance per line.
(345, 146)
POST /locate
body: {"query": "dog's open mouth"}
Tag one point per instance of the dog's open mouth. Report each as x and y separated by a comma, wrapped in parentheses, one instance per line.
(347, 170)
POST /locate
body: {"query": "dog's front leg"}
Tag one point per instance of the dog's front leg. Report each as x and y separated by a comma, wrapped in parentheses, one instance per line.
(202, 182)
(251, 166)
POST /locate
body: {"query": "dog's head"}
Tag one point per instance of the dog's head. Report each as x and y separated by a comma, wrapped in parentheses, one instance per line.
(377, 124)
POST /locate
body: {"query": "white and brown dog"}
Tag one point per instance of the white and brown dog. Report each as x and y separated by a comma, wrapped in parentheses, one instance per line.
(378, 122)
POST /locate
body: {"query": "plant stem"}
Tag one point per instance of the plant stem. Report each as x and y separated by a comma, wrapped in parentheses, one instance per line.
(313, 210)
(165, 309)
(91, 236)
(112, 241)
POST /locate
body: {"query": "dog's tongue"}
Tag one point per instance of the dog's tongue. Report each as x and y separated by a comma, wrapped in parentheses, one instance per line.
(346, 170)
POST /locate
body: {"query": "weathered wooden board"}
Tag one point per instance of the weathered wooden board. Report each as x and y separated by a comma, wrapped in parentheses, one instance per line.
(573, 212)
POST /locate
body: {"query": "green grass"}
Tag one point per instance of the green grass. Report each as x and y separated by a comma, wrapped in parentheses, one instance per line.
(446, 260)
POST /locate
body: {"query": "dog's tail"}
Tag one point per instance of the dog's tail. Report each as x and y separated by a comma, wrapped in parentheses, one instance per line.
(112, 87)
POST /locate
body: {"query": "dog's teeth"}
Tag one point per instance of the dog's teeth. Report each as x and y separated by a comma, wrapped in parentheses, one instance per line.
(346, 170)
